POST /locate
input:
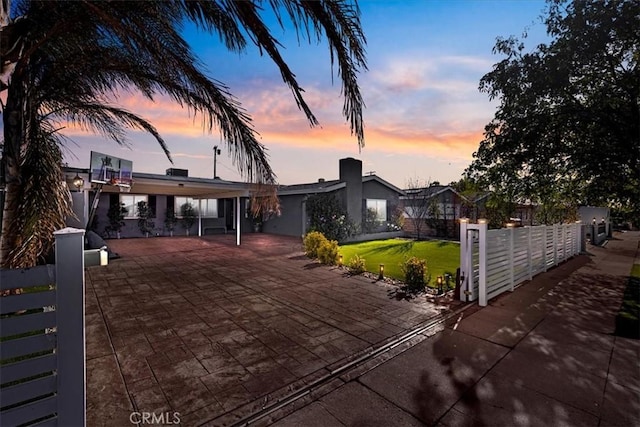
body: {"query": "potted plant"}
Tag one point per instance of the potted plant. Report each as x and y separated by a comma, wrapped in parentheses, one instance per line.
(170, 220)
(188, 215)
(116, 214)
(145, 224)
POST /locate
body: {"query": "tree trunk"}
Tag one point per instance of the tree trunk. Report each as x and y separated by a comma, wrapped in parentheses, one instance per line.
(13, 120)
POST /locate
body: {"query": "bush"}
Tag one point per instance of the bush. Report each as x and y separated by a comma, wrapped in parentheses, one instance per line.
(326, 215)
(357, 265)
(415, 271)
(328, 252)
(312, 242)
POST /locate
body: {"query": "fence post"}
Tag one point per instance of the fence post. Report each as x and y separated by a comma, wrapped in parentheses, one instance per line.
(577, 226)
(510, 227)
(463, 259)
(529, 252)
(555, 244)
(71, 377)
(482, 247)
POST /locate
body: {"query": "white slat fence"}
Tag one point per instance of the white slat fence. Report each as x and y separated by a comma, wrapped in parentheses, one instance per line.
(495, 261)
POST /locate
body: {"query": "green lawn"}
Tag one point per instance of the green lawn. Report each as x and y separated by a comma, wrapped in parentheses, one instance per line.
(442, 257)
(628, 319)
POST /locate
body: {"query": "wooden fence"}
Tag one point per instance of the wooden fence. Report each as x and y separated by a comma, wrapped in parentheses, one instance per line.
(495, 261)
(42, 344)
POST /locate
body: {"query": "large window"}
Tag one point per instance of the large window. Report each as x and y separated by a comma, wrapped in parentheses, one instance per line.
(380, 207)
(207, 207)
(180, 201)
(131, 203)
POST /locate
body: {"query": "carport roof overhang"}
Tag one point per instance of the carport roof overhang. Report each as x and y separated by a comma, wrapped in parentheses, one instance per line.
(198, 188)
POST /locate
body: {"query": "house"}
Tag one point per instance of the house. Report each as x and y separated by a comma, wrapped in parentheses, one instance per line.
(355, 192)
(220, 206)
(433, 211)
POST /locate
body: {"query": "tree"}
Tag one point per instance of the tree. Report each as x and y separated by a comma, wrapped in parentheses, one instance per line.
(188, 216)
(67, 62)
(415, 204)
(567, 130)
(170, 220)
(116, 214)
(145, 215)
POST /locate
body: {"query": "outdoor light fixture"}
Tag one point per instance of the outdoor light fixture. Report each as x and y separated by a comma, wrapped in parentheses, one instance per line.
(381, 275)
(439, 285)
(340, 260)
(511, 224)
(594, 219)
(464, 220)
(482, 221)
(78, 182)
(602, 219)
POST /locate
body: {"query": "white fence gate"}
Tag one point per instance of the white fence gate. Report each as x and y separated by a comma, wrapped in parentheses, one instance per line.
(495, 261)
(42, 351)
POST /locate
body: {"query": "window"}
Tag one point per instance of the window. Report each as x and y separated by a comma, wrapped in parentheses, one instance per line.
(380, 206)
(180, 201)
(131, 203)
(207, 207)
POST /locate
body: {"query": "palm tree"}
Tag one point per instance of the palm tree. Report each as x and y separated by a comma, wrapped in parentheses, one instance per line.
(66, 62)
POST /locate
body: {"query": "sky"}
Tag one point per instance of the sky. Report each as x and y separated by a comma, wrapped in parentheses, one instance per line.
(424, 114)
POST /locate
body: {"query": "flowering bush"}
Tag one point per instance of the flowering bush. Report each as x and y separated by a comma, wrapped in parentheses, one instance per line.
(327, 216)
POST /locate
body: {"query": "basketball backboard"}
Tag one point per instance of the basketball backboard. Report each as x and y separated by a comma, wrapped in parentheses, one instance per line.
(110, 170)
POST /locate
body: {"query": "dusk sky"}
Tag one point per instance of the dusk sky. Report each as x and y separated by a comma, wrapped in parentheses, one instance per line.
(424, 116)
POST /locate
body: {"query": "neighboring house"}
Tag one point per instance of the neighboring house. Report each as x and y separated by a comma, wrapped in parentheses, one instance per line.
(355, 192)
(215, 201)
(437, 208)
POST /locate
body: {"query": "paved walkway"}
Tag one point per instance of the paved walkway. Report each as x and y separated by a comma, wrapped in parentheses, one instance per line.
(214, 331)
(543, 355)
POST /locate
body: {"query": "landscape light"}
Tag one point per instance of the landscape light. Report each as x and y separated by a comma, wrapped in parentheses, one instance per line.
(439, 285)
(381, 274)
(78, 182)
(482, 221)
(340, 260)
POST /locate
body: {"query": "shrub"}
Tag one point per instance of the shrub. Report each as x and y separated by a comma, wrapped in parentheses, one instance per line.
(328, 252)
(312, 241)
(415, 271)
(326, 215)
(357, 265)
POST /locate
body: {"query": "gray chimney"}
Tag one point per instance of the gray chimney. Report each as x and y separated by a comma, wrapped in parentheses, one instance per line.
(351, 175)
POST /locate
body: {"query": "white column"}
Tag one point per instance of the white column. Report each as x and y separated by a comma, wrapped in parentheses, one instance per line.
(482, 279)
(71, 348)
(199, 218)
(464, 255)
(238, 220)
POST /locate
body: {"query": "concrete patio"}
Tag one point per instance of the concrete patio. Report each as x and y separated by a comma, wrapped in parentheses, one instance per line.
(214, 331)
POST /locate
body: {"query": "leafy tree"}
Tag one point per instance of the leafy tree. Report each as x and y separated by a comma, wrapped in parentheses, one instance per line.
(170, 220)
(188, 216)
(116, 214)
(67, 62)
(567, 130)
(145, 215)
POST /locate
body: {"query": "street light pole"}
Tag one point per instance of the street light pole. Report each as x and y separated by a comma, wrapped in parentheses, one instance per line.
(216, 151)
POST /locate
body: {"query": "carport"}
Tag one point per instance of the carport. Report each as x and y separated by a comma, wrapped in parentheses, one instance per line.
(199, 189)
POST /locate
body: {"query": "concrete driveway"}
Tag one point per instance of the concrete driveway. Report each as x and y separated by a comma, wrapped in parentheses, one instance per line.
(212, 331)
